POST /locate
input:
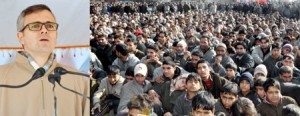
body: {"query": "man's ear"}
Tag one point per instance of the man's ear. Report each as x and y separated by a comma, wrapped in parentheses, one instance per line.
(20, 36)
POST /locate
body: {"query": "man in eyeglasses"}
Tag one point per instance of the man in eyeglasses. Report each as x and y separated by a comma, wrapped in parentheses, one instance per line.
(37, 32)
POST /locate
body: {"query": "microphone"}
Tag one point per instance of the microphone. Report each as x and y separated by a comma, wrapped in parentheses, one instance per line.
(63, 71)
(56, 78)
(52, 79)
(37, 74)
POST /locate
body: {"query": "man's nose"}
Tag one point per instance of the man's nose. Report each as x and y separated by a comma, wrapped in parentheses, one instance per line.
(44, 30)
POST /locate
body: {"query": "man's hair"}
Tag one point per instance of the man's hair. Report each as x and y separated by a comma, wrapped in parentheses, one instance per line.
(202, 61)
(231, 65)
(260, 81)
(246, 107)
(230, 88)
(113, 69)
(141, 102)
(285, 69)
(276, 45)
(122, 48)
(29, 10)
(130, 71)
(153, 47)
(197, 53)
(271, 82)
(169, 62)
(291, 110)
(204, 100)
(242, 44)
(194, 77)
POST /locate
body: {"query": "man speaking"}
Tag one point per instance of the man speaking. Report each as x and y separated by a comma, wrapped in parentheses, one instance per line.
(37, 32)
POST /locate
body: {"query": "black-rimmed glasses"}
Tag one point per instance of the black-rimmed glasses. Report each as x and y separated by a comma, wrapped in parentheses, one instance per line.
(37, 26)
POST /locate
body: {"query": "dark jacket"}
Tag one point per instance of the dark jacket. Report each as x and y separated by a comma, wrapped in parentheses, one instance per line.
(288, 89)
(189, 67)
(252, 96)
(270, 64)
(104, 54)
(168, 100)
(266, 109)
(217, 84)
(183, 105)
(244, 62)
(220, 109)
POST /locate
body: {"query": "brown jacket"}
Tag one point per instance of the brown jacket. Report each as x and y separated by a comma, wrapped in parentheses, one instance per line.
(37, 99)
(266, 109)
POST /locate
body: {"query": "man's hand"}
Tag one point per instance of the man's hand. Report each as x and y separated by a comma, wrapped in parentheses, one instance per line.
(159, 79)
(96, 106)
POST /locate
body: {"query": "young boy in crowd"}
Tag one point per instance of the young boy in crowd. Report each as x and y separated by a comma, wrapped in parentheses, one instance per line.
(203, 104)
(183, 105)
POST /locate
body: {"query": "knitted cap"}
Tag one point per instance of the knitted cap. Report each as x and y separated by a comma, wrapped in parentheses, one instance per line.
(261, 68)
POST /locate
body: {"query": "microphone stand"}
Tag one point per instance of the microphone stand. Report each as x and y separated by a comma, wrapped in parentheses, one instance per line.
(55, 101)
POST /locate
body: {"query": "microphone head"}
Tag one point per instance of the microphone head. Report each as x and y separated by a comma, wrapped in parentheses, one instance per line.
(38, 73)
(60, 70)
(51, 78)
(54, 77)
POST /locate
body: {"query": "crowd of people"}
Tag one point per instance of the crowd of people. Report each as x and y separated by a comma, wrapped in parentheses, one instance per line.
(195, 59)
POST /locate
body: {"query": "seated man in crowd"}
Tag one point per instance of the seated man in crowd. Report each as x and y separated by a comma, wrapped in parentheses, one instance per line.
(242, 58)
(203, 104)
(212, 82)
(286, 75)
(125, 59)
(287, 60)
(183, 105)
(191, 66)
(259, 89)
(231, 72)
(227, 103)
(137, 86)
(108, 91)
(246, 88)
(273, 102)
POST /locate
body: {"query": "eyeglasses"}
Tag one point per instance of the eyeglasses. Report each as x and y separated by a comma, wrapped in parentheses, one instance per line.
(37, 26)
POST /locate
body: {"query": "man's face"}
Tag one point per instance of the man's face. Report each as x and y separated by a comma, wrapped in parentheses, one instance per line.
(139, 78)
(42, 41)
(230, 72)
(195, 59)
(288, 62)
(151, 53)
(113, 78)
(264, 44)
(286, 77)
(260, 91)
(168, 70)
(203, 70)
(241, 37)
(193, 85)
(102, 41)
(180, 49)
(161, 38)
(244, 86)
(273, 95)
(131, 46)
(221, 51)
(228, 100)
(204, 43)
(276, 52)
(134, 112)
(240, 50)
(202, 112)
